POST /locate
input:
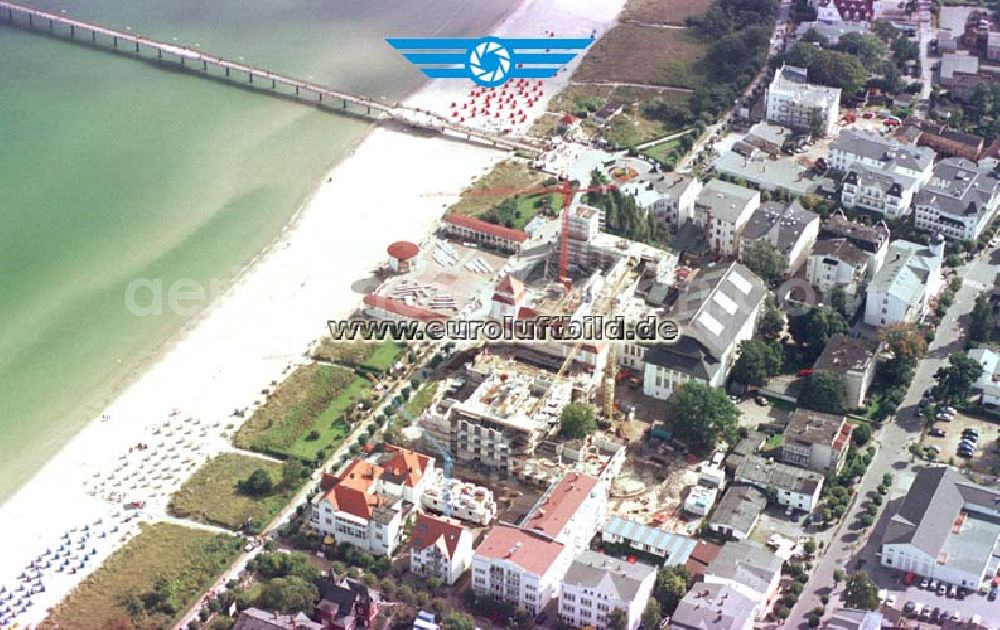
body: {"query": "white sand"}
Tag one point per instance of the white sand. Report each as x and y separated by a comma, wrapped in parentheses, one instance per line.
(250, 337)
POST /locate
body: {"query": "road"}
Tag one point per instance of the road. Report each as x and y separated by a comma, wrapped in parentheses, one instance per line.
(777, 41)
(893, 442)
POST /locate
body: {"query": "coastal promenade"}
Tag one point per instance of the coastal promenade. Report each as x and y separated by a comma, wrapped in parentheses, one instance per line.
(284, 86)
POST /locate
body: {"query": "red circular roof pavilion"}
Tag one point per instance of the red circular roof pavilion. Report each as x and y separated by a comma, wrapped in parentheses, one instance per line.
(403, 250)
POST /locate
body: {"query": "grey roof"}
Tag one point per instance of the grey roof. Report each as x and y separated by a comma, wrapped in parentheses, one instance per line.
(840, 249)
(831, 31)
(812, 427)
(672, 185)
(762, 473)
(725, 200)
(258, 619)
(855, 619)
(867, 238)
(675, 548)
(905, 272)
(885, 179)
(739, 508)
(711, 309)
(618, 578)
(770, 174)
(843, 354)
(710, 606)
(960, 187)
(954, 62)
(795, 81)
(768, 132)
(887, 151)
(780, 223)
(746, 562)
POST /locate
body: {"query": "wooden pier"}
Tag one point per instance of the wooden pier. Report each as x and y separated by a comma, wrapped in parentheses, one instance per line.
(202, 64)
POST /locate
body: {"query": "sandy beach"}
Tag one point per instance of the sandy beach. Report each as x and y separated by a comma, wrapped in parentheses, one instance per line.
(163, 426)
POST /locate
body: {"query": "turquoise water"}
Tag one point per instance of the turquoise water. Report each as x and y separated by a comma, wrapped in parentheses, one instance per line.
(112, 170)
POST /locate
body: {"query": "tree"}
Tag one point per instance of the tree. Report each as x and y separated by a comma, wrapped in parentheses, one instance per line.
(622, 132)
(288, 594)
(577, 420)
(670, 587)
(981, 322)
(617, 620)
(758, 361)
(274, 565)
(817, 123)
(765, 260)
(258, 484)
(861, 592)
(458, 621)
(815, 327)
(956, 379)
(838, 300)
(702, 415)
(652, 615)
(838, 70)
(291, 473)
(869, 49)
(861, 434)
(771, 324)
(825, 392)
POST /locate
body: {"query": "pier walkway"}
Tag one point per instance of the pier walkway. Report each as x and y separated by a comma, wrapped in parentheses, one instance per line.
(203, 64)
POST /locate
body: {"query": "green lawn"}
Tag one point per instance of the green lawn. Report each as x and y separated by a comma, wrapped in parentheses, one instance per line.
(295, 408)
(421, 400)
(211, 495)
(330, 424)
(659, 152)
(384, 356)
(776, 441)
(186, 561)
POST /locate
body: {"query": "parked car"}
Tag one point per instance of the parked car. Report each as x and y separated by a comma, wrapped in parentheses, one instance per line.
(761, 401)
(932, 585)
(925, 613)
(890, 601)
(956, 616)
(993, 594)
(909, 607)
(966, 453)
(944, 417)
(942, 589)
(967, 444)
(971, 437)
(935, 448)
(970, 431)
(936, 432)
(950, 410)
(924, 582)
(952, 591)
(936, 613)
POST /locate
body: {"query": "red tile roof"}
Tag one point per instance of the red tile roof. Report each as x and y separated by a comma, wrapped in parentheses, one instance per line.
(428, 530)
(406, 465)
(528, 551)
(351, 492)
(479, 225)
(558, 506)
(403, 250)
(399, 307)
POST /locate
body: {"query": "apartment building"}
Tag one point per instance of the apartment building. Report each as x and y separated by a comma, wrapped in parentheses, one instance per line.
(570, 511)
(717, 309)
(959, 201)
(440, 547)
(722, 210)
(901, 290)
(519, 567)
(794, 102)
(368, 503)
(855, 148)
(853, 360)
(796, 487)
(788, 227)
(883, 191)
(837, 264)
(817, 441)
(873, 240)
(597, 584)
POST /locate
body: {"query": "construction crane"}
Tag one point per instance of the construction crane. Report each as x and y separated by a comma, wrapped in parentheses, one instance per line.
(567, 190)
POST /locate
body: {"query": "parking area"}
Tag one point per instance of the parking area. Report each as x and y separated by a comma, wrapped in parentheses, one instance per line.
(753, 415)
(899, 594)
(985, 459)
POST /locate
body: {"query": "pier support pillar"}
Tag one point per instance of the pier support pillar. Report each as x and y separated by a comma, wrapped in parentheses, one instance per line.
(320, 96)
(72, 31)
(159, 54)
(136, 46)
(115, 41)
(296, 90)
(31, 20)
(182, 62)
(10, 14)
(251, 77)
(204, 65)
(343, 104)
(93, 37)
(227, 72)
(50, 25)
(369, 110)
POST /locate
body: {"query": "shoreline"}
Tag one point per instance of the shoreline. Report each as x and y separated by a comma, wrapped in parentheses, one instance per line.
(274, 309)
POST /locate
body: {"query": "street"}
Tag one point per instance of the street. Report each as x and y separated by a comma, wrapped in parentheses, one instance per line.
(847, 546)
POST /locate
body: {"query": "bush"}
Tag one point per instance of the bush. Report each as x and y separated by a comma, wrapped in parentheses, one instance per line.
(866, 520)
